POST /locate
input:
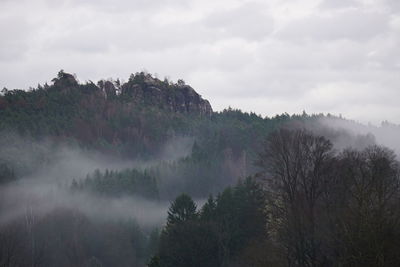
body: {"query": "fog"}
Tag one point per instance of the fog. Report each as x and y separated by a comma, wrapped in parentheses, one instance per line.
(48, 168)
(386, 134)
(62, 162)
(43, 195)
(41, 198)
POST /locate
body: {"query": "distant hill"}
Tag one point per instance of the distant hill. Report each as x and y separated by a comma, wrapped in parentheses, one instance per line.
(87, 171)
(140, 119)
(141, 113)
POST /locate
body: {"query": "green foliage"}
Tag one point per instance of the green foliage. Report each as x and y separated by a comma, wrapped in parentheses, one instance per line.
(240, 215)
(131, 119)
(118, 183)
(154, 262)
(189, 244)
(208, 211)
(182, 209)
(65, 237)
(186, 241)
(320, 209)
(6, 174)
(120, 124)
(224, 229)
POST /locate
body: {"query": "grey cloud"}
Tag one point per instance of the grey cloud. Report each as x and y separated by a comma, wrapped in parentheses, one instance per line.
(81, 42)
(132, 34)
(339, 4)
(354, 25)
(393, 6)
(15, 34)
(153, 37)
(343, 54)
(117, 6)
(250, 21)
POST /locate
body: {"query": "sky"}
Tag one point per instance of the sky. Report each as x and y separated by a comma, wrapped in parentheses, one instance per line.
(269, 57)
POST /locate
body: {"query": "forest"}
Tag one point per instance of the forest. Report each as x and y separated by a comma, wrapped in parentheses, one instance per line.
(145, 173)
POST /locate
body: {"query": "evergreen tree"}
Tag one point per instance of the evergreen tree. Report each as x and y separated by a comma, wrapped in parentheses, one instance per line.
(182, 209)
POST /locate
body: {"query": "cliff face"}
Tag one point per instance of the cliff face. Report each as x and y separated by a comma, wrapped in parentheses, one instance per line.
(144, 89)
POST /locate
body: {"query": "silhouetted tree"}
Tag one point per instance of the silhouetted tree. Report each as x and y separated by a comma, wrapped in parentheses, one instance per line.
(297, 169)
(182, 209)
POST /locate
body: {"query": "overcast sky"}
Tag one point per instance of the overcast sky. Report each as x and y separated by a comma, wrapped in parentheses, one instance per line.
(275, 56)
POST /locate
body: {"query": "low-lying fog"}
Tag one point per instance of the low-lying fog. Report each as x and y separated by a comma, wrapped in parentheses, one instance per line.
(48, 169)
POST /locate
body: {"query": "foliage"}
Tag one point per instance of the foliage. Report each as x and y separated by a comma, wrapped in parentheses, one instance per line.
(118, 183)
(224, 230)
(66, 237)
(6, 174)
(182, 209)
(330, 209)
(303, 204)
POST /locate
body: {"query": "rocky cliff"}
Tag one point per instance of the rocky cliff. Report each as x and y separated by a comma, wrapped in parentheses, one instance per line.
(144, 89)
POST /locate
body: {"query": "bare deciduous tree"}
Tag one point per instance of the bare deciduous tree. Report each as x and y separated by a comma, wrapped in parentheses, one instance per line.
(297, 168)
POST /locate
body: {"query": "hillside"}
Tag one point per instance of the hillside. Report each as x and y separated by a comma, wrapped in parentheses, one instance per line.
(88, 171)
(143, 119)
(137, 113)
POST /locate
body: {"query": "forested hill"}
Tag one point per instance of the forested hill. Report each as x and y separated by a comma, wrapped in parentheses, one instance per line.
(142, 119)
(140, 112)
(140, 89)
(88, 170)
(137, 119)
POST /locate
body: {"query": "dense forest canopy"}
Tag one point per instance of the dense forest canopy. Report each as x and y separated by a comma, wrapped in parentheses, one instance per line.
(144, 172)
